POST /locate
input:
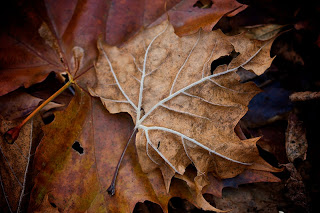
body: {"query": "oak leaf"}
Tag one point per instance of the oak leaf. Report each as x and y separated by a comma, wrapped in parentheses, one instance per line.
(183, 113)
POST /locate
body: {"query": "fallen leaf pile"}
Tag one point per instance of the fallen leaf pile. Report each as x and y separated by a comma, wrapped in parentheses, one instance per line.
(183, 114)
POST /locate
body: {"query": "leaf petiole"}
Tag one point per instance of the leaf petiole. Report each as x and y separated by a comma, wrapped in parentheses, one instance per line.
(112, 188)
(12, 134)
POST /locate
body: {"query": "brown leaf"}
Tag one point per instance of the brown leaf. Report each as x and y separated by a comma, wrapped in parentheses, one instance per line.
(258, 63)
(78, 182)
(15, 164)
(260, 32)
(187, 19)
(52, 157)
(183, 113)
(296, 140)
(44, 36)
(296, 189)
(63, 38)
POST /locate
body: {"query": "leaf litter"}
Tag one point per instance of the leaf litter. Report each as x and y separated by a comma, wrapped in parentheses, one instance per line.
(184, 114)
(157, 157)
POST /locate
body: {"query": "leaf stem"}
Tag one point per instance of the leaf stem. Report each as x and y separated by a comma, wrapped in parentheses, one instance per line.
(112, 188)
(12, 134)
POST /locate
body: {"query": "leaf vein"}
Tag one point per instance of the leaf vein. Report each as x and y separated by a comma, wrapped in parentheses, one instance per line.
(116, 79)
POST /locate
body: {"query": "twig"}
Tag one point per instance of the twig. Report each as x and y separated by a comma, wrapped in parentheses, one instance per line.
(304, 96)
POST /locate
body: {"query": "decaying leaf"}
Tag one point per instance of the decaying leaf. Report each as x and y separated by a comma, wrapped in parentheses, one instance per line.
(38, 37)
(172, 96)
(15, 164)
(296, 140)
(260, 32)
(72, 181)
(187, 18)
(183, 113)
(296, 189)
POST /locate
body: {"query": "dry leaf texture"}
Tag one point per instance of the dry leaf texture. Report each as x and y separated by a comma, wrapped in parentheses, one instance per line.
(183, 113)
(38, 37)
(15, 164)
(296, 139)
(76, 182)
(186, 18)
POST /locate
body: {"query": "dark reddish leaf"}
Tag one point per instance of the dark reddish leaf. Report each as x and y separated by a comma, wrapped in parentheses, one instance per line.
(30, 49)
(78, 182)
(67, 40)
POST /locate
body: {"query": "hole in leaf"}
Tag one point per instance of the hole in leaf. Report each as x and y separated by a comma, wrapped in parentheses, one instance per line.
(158, 145)
(293, 142)
(203, 4)
(223, 60)
(77, 147)
(53, 205)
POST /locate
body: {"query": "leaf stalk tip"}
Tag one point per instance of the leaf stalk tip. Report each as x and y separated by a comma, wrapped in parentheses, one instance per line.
(12, 134)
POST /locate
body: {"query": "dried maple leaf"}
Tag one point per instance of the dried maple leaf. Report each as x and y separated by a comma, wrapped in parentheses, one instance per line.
(70, 181)
(183, 113)
(66, 43)
(100, 134)
(61, 38)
